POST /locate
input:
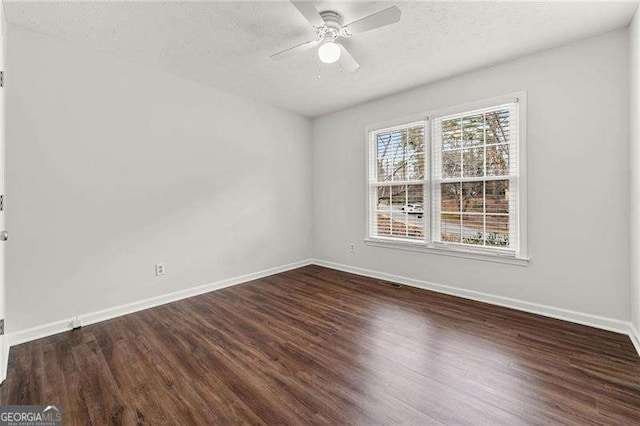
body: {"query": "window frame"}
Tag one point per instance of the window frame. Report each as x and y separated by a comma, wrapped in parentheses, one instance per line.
(517, 256)
(425, 182)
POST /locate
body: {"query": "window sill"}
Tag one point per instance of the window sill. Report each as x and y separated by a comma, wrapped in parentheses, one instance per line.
(448, 251)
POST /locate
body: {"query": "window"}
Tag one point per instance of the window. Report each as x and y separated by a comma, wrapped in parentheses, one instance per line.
(397, 182)
(452, 182)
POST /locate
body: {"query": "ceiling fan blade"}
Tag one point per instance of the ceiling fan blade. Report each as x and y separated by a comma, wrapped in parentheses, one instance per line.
(309, 11)
(388, 16)
(348, 63)
(293, 50)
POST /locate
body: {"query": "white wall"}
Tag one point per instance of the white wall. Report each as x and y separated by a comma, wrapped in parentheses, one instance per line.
(578, 130)
(113, 167)
(634, 158)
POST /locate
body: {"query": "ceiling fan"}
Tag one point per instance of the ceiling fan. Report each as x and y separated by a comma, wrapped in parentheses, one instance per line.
(328, 26)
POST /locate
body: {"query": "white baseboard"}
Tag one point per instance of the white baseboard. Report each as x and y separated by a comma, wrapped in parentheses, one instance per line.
(56, 327)
(634, 335)
(596, 321)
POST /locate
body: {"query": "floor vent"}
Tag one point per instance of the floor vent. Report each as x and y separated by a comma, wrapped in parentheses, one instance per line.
(390, 284)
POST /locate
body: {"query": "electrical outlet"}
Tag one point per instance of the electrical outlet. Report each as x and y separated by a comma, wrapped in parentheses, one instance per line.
(352, 248)
(159, 269)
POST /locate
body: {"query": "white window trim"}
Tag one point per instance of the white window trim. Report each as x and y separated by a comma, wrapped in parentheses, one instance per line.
(520, 256)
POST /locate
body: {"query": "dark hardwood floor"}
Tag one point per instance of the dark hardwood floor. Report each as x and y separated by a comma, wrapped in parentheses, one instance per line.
(321, 346)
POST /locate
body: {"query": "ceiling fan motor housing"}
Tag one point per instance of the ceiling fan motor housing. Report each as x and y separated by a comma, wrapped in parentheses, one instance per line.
(332, 26)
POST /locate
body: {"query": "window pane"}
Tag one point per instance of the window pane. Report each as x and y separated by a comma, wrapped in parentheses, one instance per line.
(384, 161)
(497, 230)
(498, 160)
(385, 167)
(473, 162)
(451, 164)
(473, 197)
(497, 195)
(384, 224)
(473, 130)
(451, 134)
(415, 167)
(415, 196)
(416, 230)
(399, 224)
(450, 227)
(383, 143)
(415, 142)
(384, 198)
(398, 197)
(450, 197)
(398, 210)
(415, 211)
(497, 126)
(390, 149)
(398, 207)
(399, 171)
(472, 229)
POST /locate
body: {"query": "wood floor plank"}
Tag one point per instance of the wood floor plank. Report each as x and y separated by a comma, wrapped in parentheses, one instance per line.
(319, 346)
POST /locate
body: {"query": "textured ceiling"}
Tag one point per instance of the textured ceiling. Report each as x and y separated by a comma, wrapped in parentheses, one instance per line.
(227, 44)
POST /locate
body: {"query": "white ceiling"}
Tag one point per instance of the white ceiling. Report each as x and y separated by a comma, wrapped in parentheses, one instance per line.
(227, 44)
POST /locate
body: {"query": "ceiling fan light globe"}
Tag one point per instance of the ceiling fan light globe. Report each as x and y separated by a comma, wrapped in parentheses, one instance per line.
(329, 52)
